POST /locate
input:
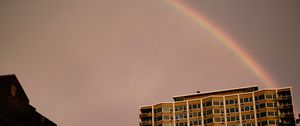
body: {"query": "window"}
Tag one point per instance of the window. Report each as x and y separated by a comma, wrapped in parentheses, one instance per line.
(243, 117)
(218, 111)
(264, 123)
(233, 118)
(13, 90)
(217, 119)
(208, 103)
(261, 97)
(194, 106)
(195, 114)
(199, 122)
(209, 111)
(166, 109)
(197, 106)
(237, 118)
(263, 105)
(270, 113)
(269, 104)
(180, 108)
(166, 117)
(195, 122)
(232, 101)
(209, 120)
(246, 99)
(180, 116)
(247, 116)
(158, 110)
(199, 113)
(231, 110)
(218, 102)
(247, 108)
(269, 96)
(271, 121)
(158, 118)
(263, 114)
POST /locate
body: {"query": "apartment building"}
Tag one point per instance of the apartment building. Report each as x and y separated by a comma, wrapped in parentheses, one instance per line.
(246, 106)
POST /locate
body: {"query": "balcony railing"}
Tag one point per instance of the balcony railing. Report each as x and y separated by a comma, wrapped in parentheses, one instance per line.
(284, 97)
(145, 114)
(146, 123)
(285, 106)
(287, 115)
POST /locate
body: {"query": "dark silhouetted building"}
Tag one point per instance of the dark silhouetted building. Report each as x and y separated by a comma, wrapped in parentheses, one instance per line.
(15, 109)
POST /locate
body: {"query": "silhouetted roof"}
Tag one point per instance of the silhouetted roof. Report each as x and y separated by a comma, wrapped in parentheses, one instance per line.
(7, 80)
(15, 109)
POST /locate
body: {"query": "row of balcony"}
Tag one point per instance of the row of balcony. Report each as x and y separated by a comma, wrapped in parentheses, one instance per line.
(285, 97)
(284, 115)
(287, 115)
(145, 114)
(145, 123)
(285, 106)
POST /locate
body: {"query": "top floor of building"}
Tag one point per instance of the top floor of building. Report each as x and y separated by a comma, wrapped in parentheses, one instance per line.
(228, 97)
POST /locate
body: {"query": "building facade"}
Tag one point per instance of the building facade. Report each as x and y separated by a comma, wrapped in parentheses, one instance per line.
(15, 109)
(246, 106)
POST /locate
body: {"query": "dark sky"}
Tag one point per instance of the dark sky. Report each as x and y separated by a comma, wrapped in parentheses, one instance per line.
(95, 62)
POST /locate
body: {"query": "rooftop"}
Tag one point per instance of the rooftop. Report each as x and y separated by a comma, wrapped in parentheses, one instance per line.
(217, 92)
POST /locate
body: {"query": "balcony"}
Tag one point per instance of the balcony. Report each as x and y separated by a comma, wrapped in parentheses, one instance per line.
(285, 97)
(287, 115)
(145, 123)
(145, 115)
(285, 106)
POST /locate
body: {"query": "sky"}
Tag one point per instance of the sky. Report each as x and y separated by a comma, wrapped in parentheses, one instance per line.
(87, 62)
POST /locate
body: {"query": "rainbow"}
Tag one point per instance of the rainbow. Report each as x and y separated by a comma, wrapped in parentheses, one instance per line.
(224, 38)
